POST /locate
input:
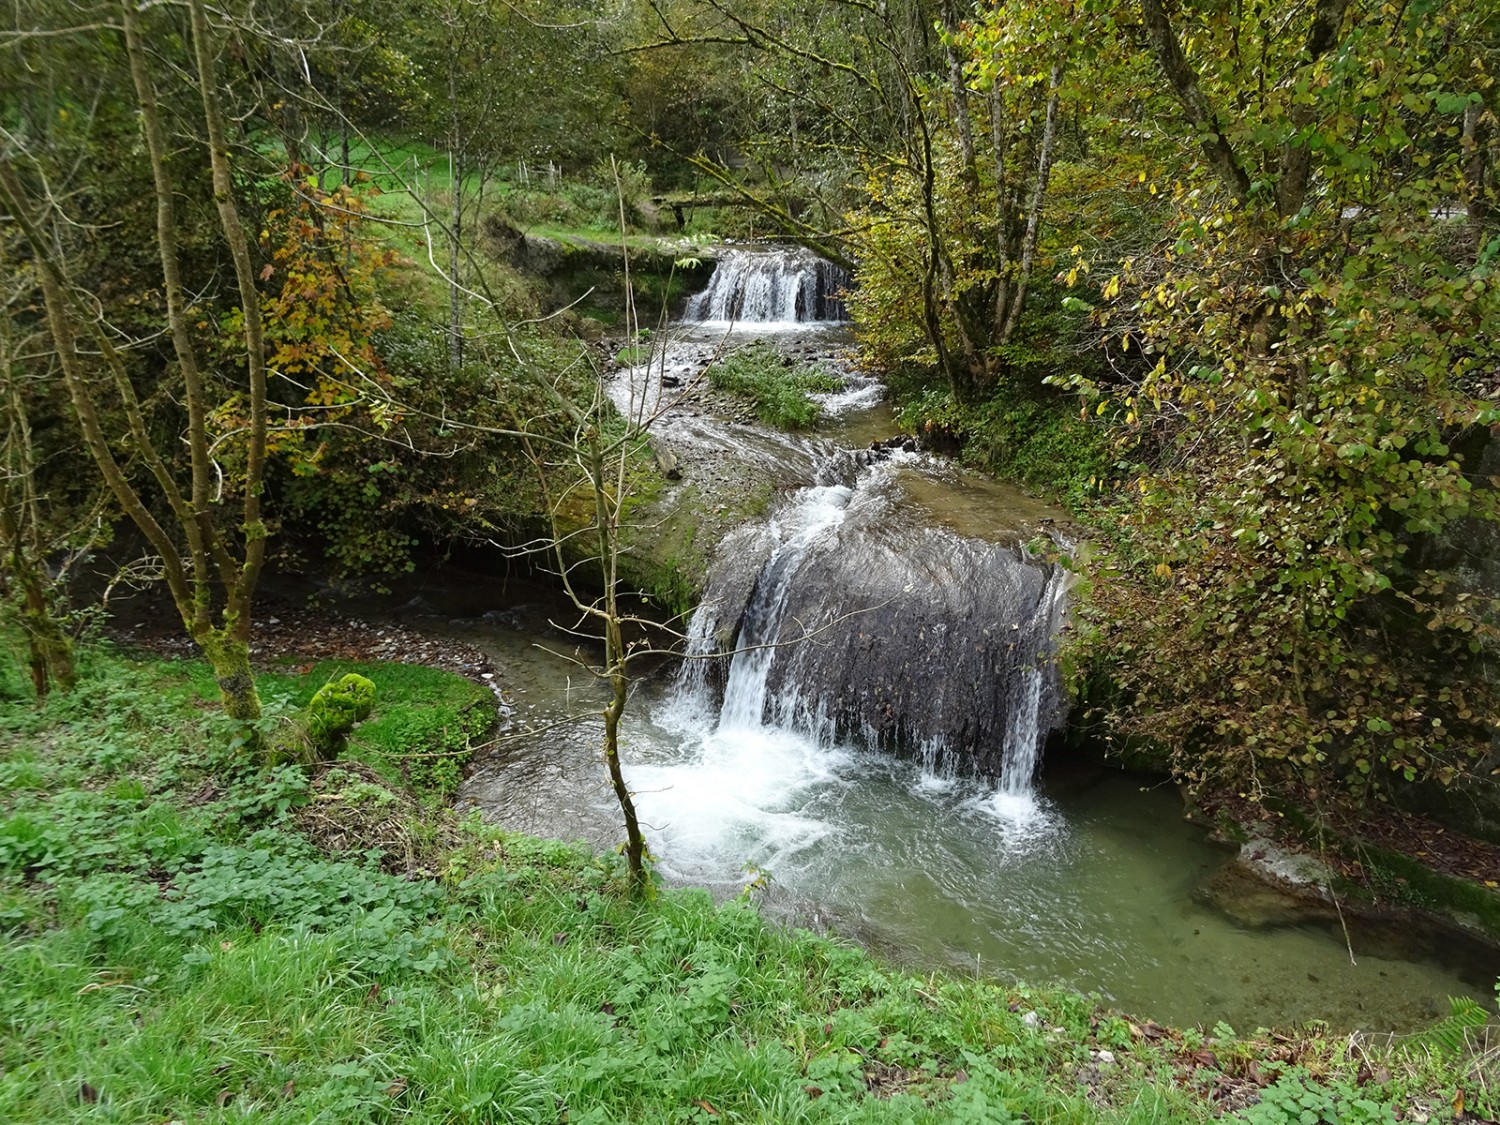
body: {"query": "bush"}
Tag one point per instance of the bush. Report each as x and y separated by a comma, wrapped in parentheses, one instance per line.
(779, 391)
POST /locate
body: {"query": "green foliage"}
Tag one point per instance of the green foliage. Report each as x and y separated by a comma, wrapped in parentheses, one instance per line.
(1296, 375)
(1295, 1099)
(422, 728)
(1036, 439)
(778, 388)
(585, 207)
(1452, 1034)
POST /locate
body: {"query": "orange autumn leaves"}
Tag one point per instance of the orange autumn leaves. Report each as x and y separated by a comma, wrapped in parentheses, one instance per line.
(321, 312)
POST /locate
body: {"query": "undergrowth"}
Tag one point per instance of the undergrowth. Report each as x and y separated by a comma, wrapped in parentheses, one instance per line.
(779, 390)
(422, 732)
(176, 949)
(1037, 439)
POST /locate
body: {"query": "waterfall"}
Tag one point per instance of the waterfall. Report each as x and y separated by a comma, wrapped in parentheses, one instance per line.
(1024, 734)
(864, 626)
(761, 625)
(771, 286)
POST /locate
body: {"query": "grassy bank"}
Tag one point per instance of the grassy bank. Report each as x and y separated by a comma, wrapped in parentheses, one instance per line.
(179, 943)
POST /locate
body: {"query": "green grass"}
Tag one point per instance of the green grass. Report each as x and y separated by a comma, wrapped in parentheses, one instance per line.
(421, 731)
(424, 723)
(174, 949)
(779, 393)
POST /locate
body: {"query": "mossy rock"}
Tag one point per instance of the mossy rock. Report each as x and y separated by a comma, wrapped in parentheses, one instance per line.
(1406, 880)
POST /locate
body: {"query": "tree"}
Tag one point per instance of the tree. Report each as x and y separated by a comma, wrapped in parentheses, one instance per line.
(210, 569)
(1300, 366)
(947, 121)
(487, 92)
(32, 535)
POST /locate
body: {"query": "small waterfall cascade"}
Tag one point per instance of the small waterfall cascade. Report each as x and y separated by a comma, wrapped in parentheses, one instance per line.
(761, 624)
(782, 285)
(865, 626)
(1024, 735)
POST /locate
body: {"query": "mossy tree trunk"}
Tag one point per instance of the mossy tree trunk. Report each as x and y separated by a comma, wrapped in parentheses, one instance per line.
(49, 649)
(228, 652)
(24, 538)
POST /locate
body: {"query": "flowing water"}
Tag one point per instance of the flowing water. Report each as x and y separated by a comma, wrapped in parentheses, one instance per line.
(867, 696)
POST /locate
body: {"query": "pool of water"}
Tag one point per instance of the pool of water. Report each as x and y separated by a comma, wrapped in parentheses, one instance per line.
(1094, 885)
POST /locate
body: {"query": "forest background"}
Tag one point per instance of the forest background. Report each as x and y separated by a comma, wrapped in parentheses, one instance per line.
(1216, 275)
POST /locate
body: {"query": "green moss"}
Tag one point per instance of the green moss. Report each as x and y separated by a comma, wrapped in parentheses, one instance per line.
(336, 709)
(1403, 879)
(1036, 438)
(423, 725)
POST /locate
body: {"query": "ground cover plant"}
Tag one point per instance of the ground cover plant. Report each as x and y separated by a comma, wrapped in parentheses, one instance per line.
(781, 391)
(178, 946)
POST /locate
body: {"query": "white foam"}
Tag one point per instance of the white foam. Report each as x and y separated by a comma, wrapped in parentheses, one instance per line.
(738, 796)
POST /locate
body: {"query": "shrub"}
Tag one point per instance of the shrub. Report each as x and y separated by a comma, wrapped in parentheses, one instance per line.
(780, 391)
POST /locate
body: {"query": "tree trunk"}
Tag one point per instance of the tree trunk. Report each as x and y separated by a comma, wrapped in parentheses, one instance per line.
(1034, 210)
(635, 843)
(229, 655)
(960, 89)
(1184, 83)
(49, 650)
(1477, 173)
(614, 664)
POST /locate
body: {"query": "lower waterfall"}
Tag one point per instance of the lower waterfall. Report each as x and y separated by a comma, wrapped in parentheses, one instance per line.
(848, 621)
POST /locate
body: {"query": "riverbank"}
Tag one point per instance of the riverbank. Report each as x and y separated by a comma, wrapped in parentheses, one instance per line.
(179, 947)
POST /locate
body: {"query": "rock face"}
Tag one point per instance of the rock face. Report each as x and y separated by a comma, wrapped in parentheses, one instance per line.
(547, 257)
(1266, 886)
(888, 631)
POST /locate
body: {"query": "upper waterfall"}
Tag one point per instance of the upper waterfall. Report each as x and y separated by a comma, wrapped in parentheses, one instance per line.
(777, 285)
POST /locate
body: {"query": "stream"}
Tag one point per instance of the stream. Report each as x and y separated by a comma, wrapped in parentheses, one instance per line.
(862, 719)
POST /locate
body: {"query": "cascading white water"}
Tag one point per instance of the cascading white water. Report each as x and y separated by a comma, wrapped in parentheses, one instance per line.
(760, 628)
(1024, 734)
(771, 286)
(862, 630)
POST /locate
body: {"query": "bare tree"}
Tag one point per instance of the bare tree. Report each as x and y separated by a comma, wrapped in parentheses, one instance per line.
(30, 534)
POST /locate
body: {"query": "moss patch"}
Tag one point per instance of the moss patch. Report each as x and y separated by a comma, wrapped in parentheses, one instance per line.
(424, 724)
(1401, 878)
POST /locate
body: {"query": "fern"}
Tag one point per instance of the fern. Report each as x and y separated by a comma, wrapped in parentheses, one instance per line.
(1450, 1035)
